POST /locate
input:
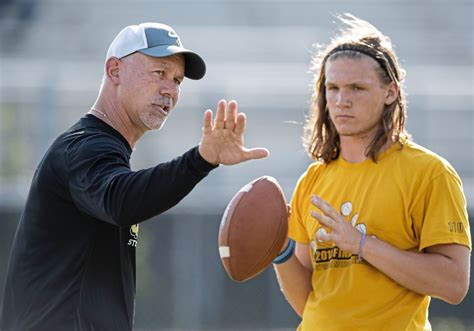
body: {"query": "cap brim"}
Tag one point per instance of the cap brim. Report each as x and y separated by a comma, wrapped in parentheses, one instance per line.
(194, 67)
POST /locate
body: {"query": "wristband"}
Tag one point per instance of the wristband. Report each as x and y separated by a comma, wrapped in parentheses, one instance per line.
(361, 245)
(287, 253)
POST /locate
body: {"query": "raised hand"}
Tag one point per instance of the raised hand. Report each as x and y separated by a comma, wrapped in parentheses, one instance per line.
(222, 140)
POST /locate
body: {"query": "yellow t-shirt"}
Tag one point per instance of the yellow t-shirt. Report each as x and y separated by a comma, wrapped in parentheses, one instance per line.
(412, 199)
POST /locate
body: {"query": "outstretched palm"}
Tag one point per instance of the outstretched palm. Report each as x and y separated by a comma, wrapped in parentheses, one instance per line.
(222, 140)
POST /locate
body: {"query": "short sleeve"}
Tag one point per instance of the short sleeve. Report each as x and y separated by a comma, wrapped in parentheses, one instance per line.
(300, 204)
(440, 214)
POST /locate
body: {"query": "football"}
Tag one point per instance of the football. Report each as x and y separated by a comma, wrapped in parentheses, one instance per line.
(253, 228)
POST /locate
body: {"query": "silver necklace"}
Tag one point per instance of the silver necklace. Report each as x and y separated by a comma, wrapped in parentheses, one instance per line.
(106, 118)
(100, 112)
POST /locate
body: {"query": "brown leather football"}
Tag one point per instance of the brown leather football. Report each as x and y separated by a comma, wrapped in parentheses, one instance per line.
(253, 228)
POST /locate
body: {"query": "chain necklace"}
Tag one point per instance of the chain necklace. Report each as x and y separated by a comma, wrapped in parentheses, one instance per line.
(100, 112)
(104, 115)
(107, 120)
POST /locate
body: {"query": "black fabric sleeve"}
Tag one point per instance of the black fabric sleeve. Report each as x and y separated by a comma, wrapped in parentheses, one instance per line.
(103, 186)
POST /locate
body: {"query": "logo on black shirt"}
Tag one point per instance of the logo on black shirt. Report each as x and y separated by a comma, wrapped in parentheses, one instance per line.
(134, 234)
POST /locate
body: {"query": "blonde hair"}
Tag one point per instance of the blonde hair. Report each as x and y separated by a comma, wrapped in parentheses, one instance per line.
(357, 40)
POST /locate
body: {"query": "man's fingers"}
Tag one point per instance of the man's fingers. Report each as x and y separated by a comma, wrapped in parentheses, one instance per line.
(231, 115)
(323, 219)
(324, 236)
(326, 208)
(240, 124)
(207, 121)
(219, 122)
(256, 153)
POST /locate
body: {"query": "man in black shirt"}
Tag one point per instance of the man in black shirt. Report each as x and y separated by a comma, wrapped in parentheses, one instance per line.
(72, 264)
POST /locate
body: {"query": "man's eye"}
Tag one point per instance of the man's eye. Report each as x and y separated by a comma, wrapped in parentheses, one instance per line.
(178, 82)
(160, 72)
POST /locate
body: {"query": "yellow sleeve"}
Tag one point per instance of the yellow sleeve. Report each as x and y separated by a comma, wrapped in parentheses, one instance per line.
(440, 215)
(297, 229)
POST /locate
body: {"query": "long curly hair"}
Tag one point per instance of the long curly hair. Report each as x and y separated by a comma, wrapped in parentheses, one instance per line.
(359, 39)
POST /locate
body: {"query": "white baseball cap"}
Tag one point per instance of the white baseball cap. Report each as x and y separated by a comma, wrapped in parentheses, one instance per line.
(157, 40)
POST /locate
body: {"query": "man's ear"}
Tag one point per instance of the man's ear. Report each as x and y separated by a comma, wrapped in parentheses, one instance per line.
(112, 70)
(392, 93)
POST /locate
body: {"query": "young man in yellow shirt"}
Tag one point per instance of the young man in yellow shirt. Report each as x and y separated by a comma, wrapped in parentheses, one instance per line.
(378, 223)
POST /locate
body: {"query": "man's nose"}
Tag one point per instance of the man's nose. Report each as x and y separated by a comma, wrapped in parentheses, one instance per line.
(171, 89)
(343, 100)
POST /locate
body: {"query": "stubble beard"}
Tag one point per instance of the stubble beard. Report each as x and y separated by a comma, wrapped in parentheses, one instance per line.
(153, 122)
